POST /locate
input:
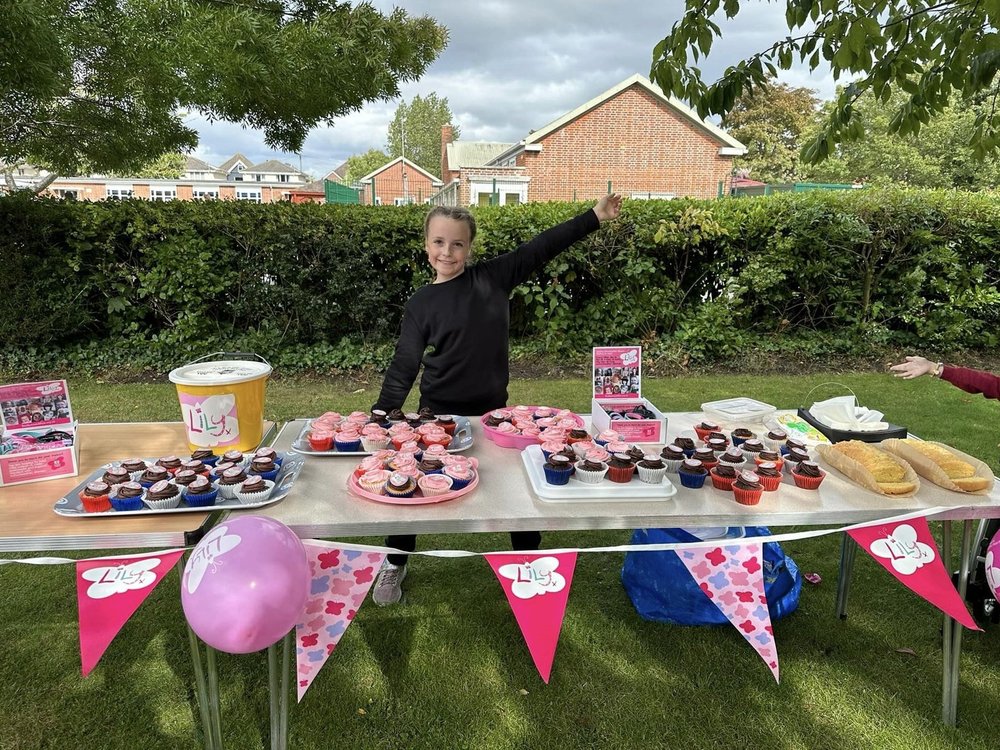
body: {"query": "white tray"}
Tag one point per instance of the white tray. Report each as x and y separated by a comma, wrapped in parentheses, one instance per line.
(580, 492)
(461, 441)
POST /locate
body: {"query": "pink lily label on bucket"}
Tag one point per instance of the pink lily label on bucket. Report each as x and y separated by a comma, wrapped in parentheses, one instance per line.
(617, 372)
(210, 421)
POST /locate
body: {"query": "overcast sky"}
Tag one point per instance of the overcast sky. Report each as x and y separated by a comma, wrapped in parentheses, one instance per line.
(512, 66)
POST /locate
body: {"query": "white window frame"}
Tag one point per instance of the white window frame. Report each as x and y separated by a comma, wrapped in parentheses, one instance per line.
(518, 186)
(253, 195)
(282, 178)
(651, 196)
(205, 194)
(118, 192)
(162, 193)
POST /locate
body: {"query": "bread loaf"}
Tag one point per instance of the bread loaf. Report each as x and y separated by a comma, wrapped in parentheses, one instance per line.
(871, 467)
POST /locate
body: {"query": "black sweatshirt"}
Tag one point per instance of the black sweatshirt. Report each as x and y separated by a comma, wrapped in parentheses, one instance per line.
(459, 329)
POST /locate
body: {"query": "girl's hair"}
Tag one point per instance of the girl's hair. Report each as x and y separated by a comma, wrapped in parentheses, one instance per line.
(456, 213)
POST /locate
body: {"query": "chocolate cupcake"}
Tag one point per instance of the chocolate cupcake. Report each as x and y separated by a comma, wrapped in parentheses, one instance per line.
(808, 475)
(621, 468)
(163, 495)
(201, 493)
(196, 465)
(769, 455)
(733, 457)
(116, 475)
(152, 475)
(705, 455)
(400, 485)
(380, 417)
(264, 466)
(127, 496)
(230, 480)
(692, 473)
(672, 456)
(431, 465)
(686, 444)
(170, 463)
(254, 489)
(774, 439)
(396, 415)
(747, 488)
(752, 446)
(723, 477)
(427, 415)
(495, 419)
(95, 497)
(793, 457)
(717, 445)
(134, 466)
(558, 468)
(651, 469)
(205, 455)
(590, 471)
(741, 435)
(184, 477)
(770, 475)
(413, 418)
(233, 457)
(636, 453)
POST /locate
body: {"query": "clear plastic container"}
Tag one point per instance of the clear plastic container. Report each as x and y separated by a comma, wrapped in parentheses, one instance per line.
(738, 410)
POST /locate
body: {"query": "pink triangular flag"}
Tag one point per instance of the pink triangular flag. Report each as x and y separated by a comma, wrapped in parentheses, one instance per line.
(109, 591)
(732, 577)
(537, 588)
(340, 580)
(907, 550)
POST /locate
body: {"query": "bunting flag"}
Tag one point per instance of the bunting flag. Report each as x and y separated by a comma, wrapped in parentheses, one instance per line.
(109, 591)
(907, 550)
(339, 582)
(537, 589)
(732, 577)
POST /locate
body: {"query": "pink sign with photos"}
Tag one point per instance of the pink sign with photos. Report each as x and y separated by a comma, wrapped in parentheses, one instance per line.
(617, 372)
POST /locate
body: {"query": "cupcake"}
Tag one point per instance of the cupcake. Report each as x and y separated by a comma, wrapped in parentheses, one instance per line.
(431, 465)
(723, 477)
(201, 493)
(254, 489)
(686, 444)
(740, 435)
(230, 481)
(127, 496)
(752, 447)
(320, 440)
(368, 463)
(264, 466)
(496, 418)
(184, 477)
(395, 415)
(270, 453)
(134, 467)
(597, 454)
(152, 475)
(808, 475)
(620, 468)
(374, 442)
(769, 456)
(555, 446)
(589, 471)
(692, 473)
(380, 417)
(233, 457)
(576, 435)
(672, 456)
(770, 475)
(651, 469)
(219, 469)
(205, 455)
(792, 443)
(447, 423)
(793, 457)
(400, 485)
(703, 429)
(582, 447)
(608, 436)
(413, 419)
(348, 441)
(733, 457)
(170, 463)
(374, 481)
(116, 475)
(427, 415)
(196, 465)
(718, 445)
(434, 485)
(774, 439)
(461, 475)
(558, 469)
(707, 457)
(163, 495)
(747, 488)
(636, 453)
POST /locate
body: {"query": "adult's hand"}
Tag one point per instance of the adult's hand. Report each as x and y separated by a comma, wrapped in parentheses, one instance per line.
(608, 207)
(913, 367)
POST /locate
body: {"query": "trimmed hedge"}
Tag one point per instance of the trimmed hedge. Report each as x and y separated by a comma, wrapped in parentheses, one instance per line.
(140, 285)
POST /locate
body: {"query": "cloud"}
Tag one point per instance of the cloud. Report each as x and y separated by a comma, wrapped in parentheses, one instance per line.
(512, 66)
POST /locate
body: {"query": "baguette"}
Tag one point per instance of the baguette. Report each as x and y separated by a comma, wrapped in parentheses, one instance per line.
(943, 465)
(871, 467)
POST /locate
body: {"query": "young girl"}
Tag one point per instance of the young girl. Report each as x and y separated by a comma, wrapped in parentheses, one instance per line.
(458, 328)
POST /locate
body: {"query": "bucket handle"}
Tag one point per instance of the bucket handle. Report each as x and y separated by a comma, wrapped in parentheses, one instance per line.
(820, 385)
(242, 355)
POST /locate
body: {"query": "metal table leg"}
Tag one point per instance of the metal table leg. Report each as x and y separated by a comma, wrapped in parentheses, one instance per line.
(956, 649)
(272, 694)
(213, 696)
(286, 666)
(848, 550)
(277, 688)
(947, 642)
(200, 691)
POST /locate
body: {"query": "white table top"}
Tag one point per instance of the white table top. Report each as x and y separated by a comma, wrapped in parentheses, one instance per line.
(320, 505)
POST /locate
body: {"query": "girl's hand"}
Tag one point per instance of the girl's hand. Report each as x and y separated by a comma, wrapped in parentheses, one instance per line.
(913, 367)
(608, 207)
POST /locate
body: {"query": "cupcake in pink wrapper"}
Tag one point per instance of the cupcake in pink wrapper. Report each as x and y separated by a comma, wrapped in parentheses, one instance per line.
(553, 446)
(808, 475)
(723, 477)
(369, 463)
(770, 475)
(461, 475)
(608, 436)
(320, 439)
(437, 438)
(433, 485)
(374, 481)
(703, 429)
(747, 488)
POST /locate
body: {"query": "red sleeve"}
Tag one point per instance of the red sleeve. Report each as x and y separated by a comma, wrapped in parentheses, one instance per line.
(972, 381)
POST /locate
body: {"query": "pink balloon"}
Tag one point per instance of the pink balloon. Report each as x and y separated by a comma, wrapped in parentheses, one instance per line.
(245, 584)
(993, 565)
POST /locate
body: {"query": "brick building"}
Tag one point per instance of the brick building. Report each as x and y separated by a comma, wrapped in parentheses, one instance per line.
(398, 183)
(645, 144)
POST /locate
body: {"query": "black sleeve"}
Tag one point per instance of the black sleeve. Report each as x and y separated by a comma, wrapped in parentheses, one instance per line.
(405, 364)
(515, 267)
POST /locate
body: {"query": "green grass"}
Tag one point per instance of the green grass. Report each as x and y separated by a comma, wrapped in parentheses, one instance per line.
(447, 669)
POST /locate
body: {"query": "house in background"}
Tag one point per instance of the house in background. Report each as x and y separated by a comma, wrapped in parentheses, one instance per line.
(632, 137)
(399, 182)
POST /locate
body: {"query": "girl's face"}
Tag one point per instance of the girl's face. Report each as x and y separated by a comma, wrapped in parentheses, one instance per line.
(448, 246)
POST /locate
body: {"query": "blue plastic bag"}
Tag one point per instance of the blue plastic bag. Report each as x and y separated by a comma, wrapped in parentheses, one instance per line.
(662, 589)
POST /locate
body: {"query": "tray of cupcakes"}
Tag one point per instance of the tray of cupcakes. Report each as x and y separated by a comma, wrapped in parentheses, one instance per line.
(170, 484)
(584, 470)
(362, 434)
(414, 477)
(521, 426)
(748, 464)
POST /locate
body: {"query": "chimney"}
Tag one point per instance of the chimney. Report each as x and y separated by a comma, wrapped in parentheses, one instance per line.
(446, 138)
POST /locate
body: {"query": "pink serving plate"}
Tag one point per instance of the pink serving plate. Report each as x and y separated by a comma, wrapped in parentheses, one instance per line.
(418, 499)
(513, 441)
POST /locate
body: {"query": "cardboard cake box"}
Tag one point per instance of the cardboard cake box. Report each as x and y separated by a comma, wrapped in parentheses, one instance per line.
(617, 379)
(34, 417)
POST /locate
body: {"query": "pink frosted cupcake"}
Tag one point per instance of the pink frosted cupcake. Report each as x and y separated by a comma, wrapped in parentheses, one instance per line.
(461, 475)
(433, 485)
(608, 436)
(374, 481)
(552, 446)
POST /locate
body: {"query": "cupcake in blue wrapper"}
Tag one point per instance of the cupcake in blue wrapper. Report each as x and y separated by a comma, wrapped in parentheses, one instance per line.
(400, 485)
(152, 475)
(263, 466)
(686, 444)
(127, 496)
(205, 455)
(558, 469)
(201, 493)
(431, 465)
(461, 475)
(347, 443)
(692, 473)
(271, 453)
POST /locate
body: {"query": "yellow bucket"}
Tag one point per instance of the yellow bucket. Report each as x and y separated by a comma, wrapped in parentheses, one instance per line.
(222, 401)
